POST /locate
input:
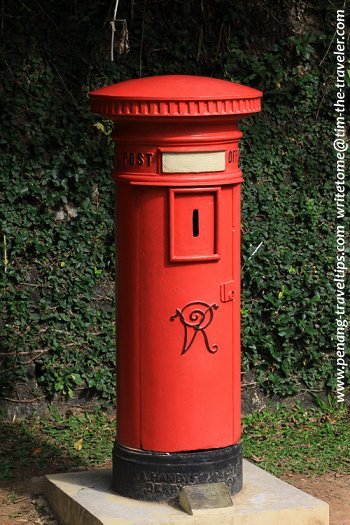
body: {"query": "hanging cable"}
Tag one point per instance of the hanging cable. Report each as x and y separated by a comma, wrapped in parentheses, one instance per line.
(113, 29)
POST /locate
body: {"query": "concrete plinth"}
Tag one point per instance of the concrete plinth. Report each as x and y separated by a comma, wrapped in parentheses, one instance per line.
(85, 498)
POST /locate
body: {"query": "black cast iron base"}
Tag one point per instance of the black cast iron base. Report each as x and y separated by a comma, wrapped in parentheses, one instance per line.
(155, 476)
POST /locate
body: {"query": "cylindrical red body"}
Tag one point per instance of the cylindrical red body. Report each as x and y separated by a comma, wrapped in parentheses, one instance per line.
(171, 398)
(178, 260)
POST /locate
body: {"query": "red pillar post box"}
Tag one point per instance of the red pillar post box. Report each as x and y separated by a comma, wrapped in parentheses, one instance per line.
(178, 280)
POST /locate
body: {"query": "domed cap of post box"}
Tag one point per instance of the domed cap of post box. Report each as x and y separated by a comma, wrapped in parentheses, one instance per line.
(175, 96)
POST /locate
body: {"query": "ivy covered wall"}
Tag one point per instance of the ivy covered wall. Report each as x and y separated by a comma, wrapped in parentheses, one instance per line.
(56, 199)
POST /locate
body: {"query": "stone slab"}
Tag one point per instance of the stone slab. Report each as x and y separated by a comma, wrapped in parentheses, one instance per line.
(86, 498)
(208, 496)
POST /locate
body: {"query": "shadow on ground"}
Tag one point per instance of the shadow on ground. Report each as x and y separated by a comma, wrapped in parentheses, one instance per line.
(24, 454)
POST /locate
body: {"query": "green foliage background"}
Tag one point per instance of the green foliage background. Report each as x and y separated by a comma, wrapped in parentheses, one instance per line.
(56, 200)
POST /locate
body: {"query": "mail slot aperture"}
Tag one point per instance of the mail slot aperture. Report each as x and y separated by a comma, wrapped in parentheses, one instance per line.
(194, 224)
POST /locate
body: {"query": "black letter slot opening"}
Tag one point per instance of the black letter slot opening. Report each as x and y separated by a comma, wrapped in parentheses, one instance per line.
(195, 223)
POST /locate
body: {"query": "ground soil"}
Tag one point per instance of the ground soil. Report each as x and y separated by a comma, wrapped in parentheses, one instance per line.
(331, 487)
(22, 501)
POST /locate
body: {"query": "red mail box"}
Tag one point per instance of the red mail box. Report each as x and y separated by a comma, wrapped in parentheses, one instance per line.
(178, 280)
